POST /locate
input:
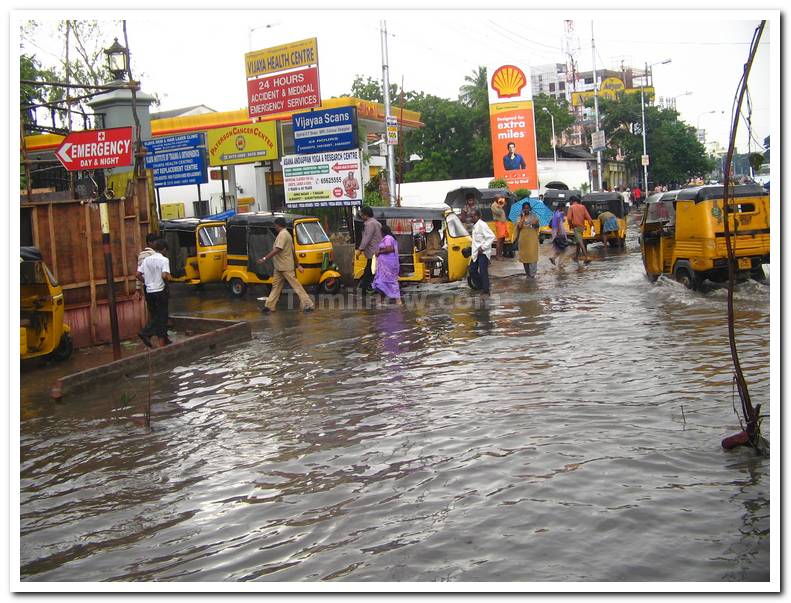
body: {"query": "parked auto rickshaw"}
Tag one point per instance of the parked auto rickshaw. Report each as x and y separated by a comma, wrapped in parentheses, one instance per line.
(251, 236)
(596, 203)
(196, 249)
(682, 234)
(553, 197)
(485, 198)
(42, 331)
(431, 243)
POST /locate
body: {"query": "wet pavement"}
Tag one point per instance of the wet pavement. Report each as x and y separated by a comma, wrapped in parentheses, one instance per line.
(567, 430)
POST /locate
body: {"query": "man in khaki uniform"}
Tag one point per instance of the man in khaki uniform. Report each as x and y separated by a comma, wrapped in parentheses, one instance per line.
(284, 261)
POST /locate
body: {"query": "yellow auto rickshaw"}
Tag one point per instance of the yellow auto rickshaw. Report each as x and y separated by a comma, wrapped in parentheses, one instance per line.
(42, 331)
(251, 236)
(196, 249)
(554, 198)
(431, 243)
(596, 203)
(484, 197)
(682, 234)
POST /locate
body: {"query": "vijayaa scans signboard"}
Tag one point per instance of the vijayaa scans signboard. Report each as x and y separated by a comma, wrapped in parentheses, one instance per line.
(325, 130)
(177, 160)
(323, 179)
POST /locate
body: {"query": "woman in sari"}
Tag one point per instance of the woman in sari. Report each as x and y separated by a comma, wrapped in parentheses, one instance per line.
(387, 267)
(527, 235)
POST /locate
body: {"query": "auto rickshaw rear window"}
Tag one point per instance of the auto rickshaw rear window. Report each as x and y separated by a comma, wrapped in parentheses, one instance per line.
(212, 235)
(455, 226)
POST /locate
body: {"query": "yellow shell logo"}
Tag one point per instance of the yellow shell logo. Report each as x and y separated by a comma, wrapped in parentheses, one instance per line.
(508, 81)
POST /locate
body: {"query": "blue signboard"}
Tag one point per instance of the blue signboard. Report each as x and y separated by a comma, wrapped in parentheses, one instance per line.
(177, 160)
(325, 130)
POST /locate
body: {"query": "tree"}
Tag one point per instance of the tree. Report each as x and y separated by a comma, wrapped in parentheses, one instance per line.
(475, 92)
(559, 109)
(676, 154)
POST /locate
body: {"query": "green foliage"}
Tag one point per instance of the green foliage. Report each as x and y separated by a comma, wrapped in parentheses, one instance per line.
(498, 183)
(521, 193)
(560, 111)
(584, 187)
(756, 159)
(676, 154)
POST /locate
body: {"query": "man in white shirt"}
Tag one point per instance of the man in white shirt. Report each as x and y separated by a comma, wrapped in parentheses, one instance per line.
(481, 253)
(154, 272)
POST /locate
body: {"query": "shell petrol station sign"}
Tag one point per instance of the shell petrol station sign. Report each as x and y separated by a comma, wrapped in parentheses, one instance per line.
(283, 78)
(245, 143)
(512, 121)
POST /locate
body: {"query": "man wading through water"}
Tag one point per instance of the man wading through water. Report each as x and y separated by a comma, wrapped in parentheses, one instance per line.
(285, 263)
(154, 272)
(372, 236)
(578, 216)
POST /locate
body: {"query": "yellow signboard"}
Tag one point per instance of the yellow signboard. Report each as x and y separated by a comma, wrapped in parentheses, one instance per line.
(281, 58)
(611, 93)
(242, 144)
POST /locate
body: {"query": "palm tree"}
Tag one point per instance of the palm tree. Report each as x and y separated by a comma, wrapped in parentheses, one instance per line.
(475, 92)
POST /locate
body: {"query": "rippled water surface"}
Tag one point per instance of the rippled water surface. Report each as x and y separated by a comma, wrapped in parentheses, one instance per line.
(569, 431)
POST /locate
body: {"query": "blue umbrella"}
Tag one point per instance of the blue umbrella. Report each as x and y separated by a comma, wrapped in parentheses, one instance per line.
(542, 211)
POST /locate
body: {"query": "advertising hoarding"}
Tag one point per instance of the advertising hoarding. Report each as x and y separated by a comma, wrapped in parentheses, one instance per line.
(325, 130)
(283, 92)
(282, 58)
(323, 179)
(177, 160)
(512, 121)
(242, 144)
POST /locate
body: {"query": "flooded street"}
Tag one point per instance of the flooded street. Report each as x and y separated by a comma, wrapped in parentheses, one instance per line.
(567, 431)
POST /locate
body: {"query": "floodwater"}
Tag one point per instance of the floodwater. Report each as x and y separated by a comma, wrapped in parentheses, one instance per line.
(568, 431)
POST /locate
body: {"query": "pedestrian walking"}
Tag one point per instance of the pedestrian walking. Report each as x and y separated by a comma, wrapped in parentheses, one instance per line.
(154, 273)
(387, 267)
(500, 225)
(559, 239)
(577, 217)
(285, 266)
(481, 252)
(627, 199)
(527, 235)
(140, 288)
(637, 195)
(372, 236)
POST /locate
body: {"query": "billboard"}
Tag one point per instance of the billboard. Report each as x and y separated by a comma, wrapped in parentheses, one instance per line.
(242, 144)
(96, 149)
(326, 130)
(323, 179)
(177, 160)
(513, 131)
(283, 92)
(282, 58)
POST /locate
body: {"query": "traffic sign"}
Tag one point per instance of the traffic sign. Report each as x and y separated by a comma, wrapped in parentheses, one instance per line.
(392, 129)
(96, 149)
(644, 160)
(597, 141)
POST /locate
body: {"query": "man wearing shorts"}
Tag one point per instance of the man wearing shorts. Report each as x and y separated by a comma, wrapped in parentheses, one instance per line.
(577, 217)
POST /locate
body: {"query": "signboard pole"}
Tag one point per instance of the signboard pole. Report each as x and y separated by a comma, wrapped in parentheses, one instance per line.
(159, 204)
(596, 105)
(222, 182)
(386, 91)
(108, 268)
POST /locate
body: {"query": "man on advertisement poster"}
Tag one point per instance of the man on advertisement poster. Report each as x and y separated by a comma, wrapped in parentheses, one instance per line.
(513, 160)
(351, 186)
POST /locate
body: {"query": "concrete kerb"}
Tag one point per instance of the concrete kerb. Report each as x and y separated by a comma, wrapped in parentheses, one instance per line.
(210, 333)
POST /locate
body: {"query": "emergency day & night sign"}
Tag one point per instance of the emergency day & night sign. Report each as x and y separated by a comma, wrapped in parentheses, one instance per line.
(96, 149)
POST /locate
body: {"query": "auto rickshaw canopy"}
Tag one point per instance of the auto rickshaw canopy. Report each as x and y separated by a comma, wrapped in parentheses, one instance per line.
(704, 193)
(597, 203)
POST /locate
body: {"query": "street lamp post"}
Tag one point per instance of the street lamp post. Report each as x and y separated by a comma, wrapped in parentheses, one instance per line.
(642, 110)
(554, 149)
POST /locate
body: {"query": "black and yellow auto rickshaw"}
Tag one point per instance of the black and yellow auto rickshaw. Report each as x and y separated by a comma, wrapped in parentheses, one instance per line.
(431, 243)
(251, 236)
(42, 331)
(196, 249)
(682, 233)
(456, 200)
(553, 198)
(596, 203)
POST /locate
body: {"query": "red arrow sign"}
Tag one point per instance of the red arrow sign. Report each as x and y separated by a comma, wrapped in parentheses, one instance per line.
(344, 167)
(96, 149)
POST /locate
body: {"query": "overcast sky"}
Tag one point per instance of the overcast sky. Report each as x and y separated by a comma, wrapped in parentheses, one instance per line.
(197, 57)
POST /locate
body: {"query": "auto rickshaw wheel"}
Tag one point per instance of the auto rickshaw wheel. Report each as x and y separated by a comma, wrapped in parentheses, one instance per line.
(331, 286)
(237, 287)
(64, 349)
(688, 277)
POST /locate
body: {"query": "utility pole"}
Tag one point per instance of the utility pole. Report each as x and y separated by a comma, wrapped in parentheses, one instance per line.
(386, 94)
(596, 105)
